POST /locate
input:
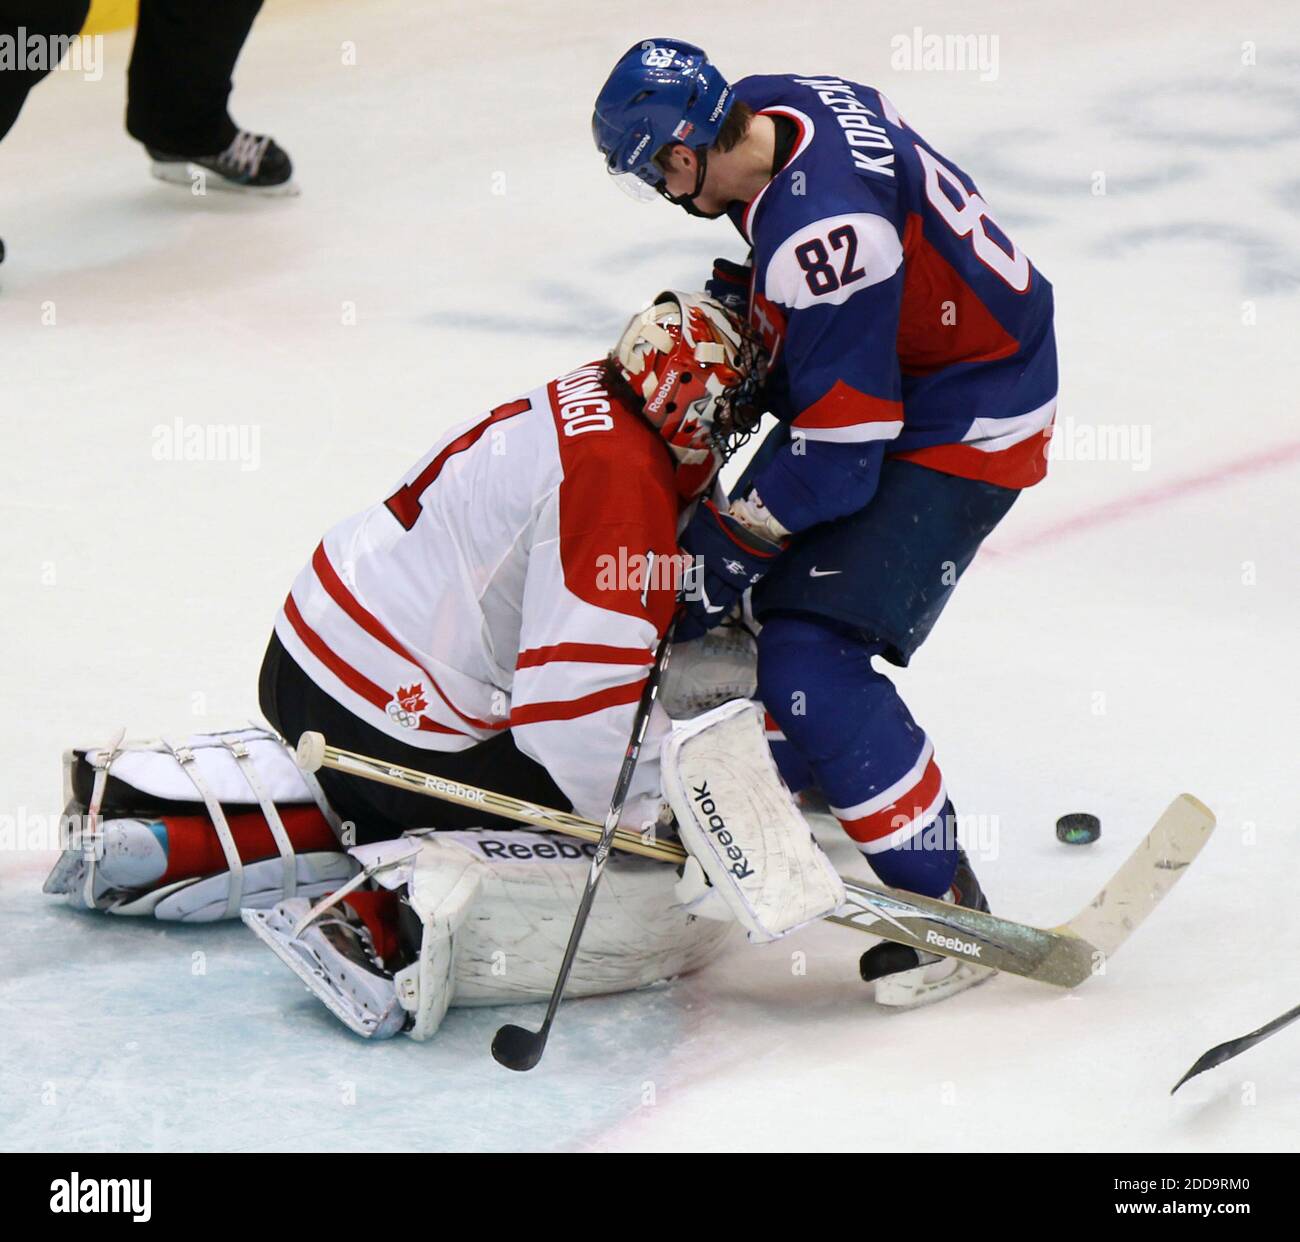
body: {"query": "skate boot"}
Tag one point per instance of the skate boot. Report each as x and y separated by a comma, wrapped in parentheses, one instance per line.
(336, 957)
(252, 163)
(907, 978)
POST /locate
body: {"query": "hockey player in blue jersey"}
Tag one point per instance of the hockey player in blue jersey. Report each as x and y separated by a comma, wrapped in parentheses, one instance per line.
(913, 373)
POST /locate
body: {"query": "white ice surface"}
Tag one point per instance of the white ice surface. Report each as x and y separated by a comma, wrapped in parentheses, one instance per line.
(1105, 668)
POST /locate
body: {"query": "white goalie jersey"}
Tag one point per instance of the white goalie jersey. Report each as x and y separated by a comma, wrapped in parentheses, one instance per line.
(519, 577)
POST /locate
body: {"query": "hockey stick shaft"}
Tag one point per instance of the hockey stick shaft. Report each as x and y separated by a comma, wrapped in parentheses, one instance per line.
(520, 1049)
(1063, 956)
(1235, 1047)
(314, 752)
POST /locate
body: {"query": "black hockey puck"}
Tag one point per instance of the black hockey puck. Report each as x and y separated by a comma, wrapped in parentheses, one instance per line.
(1078, 828)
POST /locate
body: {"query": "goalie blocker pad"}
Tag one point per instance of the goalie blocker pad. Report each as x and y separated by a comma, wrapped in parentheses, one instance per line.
(740, 824)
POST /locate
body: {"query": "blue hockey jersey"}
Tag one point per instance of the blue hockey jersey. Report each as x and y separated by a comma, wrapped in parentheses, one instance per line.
(901, 319)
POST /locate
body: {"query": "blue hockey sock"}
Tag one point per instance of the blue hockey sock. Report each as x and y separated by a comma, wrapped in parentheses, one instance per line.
(872, 762)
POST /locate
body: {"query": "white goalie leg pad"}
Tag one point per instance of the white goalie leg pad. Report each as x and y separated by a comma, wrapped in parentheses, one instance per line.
(207, 899)
(740, 823)
(708, 671)
(443, 886)
(220, 773)
(497, 906)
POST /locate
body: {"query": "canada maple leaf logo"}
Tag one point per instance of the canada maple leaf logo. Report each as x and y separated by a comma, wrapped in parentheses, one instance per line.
(411, 698)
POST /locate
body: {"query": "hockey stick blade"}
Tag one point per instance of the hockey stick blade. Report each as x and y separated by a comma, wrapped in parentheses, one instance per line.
(1147, 875)
(517, 1048)
(1234, 1047)
(1063, 956)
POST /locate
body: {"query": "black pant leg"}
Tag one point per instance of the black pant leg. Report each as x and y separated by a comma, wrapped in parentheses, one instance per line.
(293, 703)
(179, 79)
(48, 18)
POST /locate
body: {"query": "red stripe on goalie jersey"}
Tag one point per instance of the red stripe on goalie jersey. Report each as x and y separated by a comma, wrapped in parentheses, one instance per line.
(355, 681)
(617, 501)
(571, 709)
(339, 593)
(582, 653)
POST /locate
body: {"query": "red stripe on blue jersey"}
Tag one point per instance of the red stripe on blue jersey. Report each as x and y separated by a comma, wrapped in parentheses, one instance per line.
(845, 406)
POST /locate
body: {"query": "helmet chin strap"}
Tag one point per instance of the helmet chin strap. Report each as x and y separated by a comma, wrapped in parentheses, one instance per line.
(687, 201)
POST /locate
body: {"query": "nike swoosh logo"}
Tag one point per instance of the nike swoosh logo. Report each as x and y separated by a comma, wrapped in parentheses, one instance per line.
(814, 572)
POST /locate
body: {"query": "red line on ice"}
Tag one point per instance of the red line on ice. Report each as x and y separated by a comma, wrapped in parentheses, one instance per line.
(1115, 510)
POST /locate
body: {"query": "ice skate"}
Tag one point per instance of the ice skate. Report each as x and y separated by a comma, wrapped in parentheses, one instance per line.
(251, 164)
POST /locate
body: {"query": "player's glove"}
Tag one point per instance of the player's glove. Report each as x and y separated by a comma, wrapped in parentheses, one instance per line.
(730, 557)
(730, 285)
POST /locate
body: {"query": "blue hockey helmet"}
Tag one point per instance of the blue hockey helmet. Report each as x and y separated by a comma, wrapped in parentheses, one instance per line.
(661, 91)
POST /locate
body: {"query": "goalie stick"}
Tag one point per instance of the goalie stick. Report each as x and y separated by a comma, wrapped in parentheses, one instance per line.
(1064, 956)
(516, 1047)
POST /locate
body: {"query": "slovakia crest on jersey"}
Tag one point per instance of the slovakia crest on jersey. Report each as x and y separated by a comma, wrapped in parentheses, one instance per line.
(407, 704)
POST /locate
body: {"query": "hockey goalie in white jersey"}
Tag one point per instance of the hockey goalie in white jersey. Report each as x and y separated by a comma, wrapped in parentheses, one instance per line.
(492, 622)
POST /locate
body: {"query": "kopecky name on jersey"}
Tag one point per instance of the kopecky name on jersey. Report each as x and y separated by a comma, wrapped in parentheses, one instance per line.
(583, 403)
(856, 122)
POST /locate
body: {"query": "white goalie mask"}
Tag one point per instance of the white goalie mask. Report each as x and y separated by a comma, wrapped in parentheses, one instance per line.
(696, 369)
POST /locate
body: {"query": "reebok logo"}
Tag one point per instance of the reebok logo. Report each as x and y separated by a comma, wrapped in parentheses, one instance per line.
(665, 387)
(120, 1195)
(717, 827)
(953, 942)
(558, 850)
(468, 792)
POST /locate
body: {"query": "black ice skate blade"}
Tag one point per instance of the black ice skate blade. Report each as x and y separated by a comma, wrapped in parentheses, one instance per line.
(518, 1049)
